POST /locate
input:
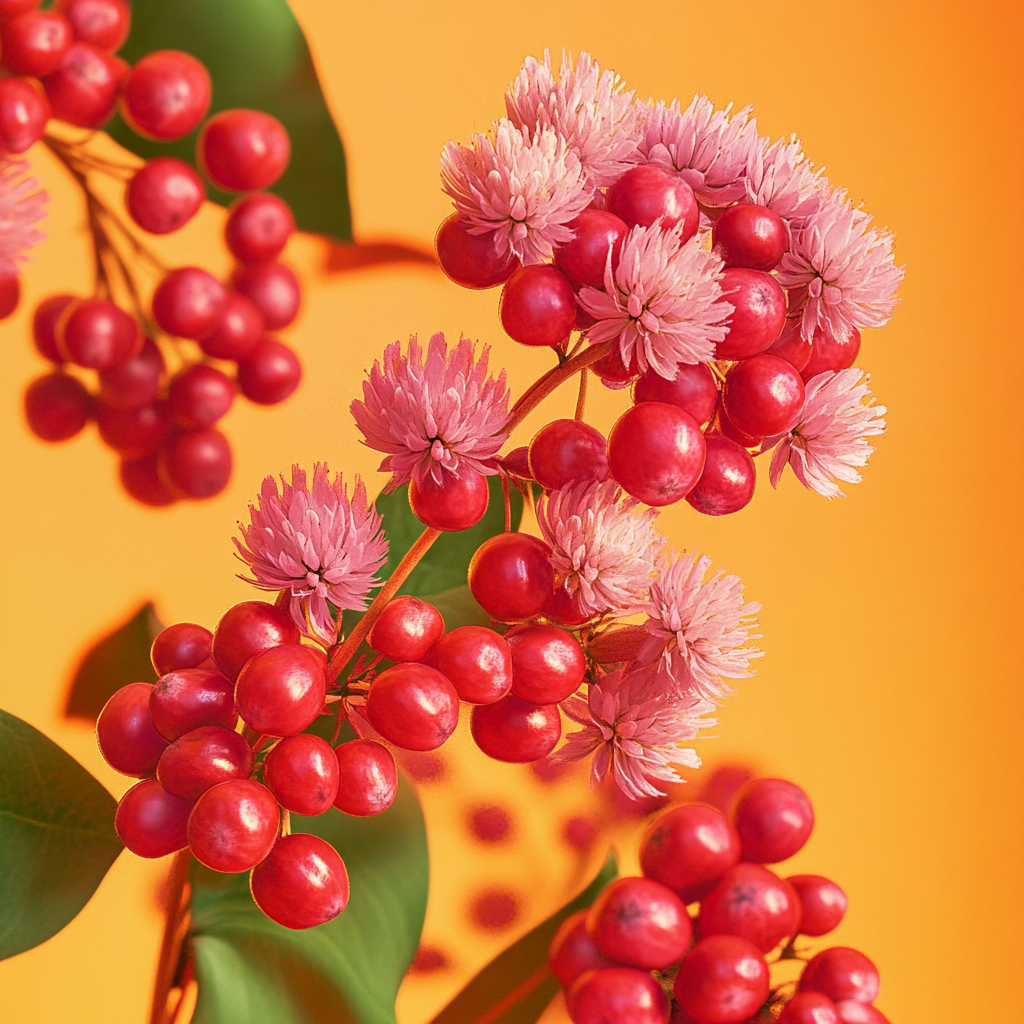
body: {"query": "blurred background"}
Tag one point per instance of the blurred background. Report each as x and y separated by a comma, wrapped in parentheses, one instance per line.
(891, 688)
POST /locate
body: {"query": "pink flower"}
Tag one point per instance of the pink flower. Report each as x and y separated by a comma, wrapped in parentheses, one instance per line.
(22, 204)
(586, 106)
(780, 177)
(634, 730)
(708, 148)
(316, 543)
(663, 303)
(604, 545)
(433, 416)
(845, 268)
(830, 440)
(520, 186)
(700, 629)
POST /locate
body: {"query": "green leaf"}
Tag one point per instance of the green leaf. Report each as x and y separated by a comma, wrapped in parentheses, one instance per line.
(252, 971)
(257, 58)
(57, 837)
(517, 986)
(458, 607)
(120, 658)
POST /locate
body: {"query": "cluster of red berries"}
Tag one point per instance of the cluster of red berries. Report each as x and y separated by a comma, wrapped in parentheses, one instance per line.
(637, 955)
(220, 791)
(162, 425)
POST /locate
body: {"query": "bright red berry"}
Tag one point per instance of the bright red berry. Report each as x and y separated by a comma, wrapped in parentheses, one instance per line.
(164, 195)
(693, 390)
(619, 994)
(258, 227)
(791, 345)
(302, 772)
(280, 692)
(302, 883)
(747, 235)
(83, 90)
(822, 903)
(233, 826)
(830, 353)
(566, 452)
(24, 111)
(57, 406)
(166, 95)
(269, 373)
(34, 43)
(649, 194)
(183, 645)
(478, 663)
(538, 306)
(759, 313)
(239, 331)
(455, 503)
(141, 479)
(809, 1008)
(547, 663)
(850, 1011)
(841, 973)
(243, 150)
(98, 334)
(413, 706)
(150, 821)
(184, 699)
(189, 303)
(104, 23)
(9, 8)
(516, 731)
(572, 951)
(247, 629)
(750, 901)
(470, 260)
(583, 260)
(367, 778)
(137, 432)
(197, 463)
(273, 289)
(763, 396)
(406, 630)
(127, 737)
(44, 325)
(135, 382)
(774, 819)
(200, 395)
(202, 759)
(727, 483)
(510, 575)
(723, 980)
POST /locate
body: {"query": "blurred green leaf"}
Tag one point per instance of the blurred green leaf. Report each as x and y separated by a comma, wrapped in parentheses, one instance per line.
(517, 986)
(257, 58)
(120, 658)
(458, 607)
(57, 837)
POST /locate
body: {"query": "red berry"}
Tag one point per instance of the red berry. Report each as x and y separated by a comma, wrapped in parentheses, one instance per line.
(302, 772)
(269, 373)
(747, 235)
(164, 195)
(166, 95)
(809, 1008)
(104, 23)
(723, 980)
(258, 227)
(774, 819)
(189, 303)
(24, 111)
(150, 821)
(10, 292)
(135, 382)
(200, 395)
(649, 194)
(83, 90)
(640, 922)
(239, 331)
(478, 663)
(413, 706)
(763, 396)
(9, 8)
(728, 428)
(517, 463)
(538, 306)
(841, 973)
(233, 826)
(243, 150)
(367, 778)
(57, 406)
(183, 645)
(470, 260)
(134, 433)
(565, 608)
(572, 952)
(406, 630)
(44, 325)
(302, 883)
(34, 43)
(616, 994)
(688, 849)
(197, 464)
(273, 289)
(727, 483)
(750, 901)
(850, 1011)
(202, 759)
(547, 663)
(759, 313)
(280, 691)
(127, 737)
(791, 345)
(822, 903)
(456, 503)
(141, 479)
(693, 390)
(98, 335)
(510, 575)
(516, 731)
(656, 452)
(566, 452)
(829, 353)
(188, 698)
(247, 629)
(583, 260)
(614, 373)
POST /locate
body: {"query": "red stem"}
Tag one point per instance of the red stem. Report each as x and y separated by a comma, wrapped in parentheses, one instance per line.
(175, 928)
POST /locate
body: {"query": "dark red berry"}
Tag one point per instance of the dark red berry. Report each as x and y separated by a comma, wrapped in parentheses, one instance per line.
(135, 382)
(547, 663)
(774, 819)
(137, 432)
(187, 698)
(572, 952)
(747, 235)
(470, 260)
(583, 260)
(44, 325)
(406, 630)
(245, 630)
(202, 759)
(302, 883)
(538, 306)
(166, 95)
(269, 373)
(98, 335)
(200, 395)
(694, 390)
(239, 331)
(197, 464)
(614, 373)
(34, 43)
(841, 973)
(565, 452)
(413, 706)
(280, 692)
(273, 289)
(616, 994)
(822, 903)
(367, 778)
(233, 826)
(57, 406)
(727, 483)
(649, 194)
(127, 737)
(516, 731)
(258, 227)
(189, 303)
(141, 479)
(510, 575)
(302, 772)
(456, 502)
(243, 150)
(104, 23)
(656, 452)
(759, 313)
(478, 663)
(164, 195)
(809, 1008)
(763, 396)
(183, 645)
(850, 1011)
(566, 608)
(150, 821)
(723, 980)
(728, 428)
(83, 90)
(24, 111)
(750, 901)
(831, 353)
(791, 345)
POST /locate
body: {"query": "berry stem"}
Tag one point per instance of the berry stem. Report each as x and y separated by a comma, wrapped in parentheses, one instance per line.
(581, 401)
(176, 924)
(508, 501)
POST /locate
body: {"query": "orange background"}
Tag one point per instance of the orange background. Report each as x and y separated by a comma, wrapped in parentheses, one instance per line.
(891, 689)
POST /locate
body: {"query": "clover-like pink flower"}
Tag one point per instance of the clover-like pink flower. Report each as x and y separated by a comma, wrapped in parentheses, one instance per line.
(586, 106)
(435, 415)
(635, 730)
(520, 186)
(709, 148)
(663, 303)
(701, 629)
(22, 206)
(604, 545)
(315, 542)
(781, 177)
(830, 440)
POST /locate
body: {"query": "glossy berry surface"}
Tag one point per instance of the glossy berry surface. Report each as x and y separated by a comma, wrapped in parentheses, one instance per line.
(367, 778)
(183, 645)
(141, 479)
(748, 235)
(83, 90)
(98, 335)
(763, 396)
(233, 826)
(538, 306)
(822, 903)
(24, 111)
(759, 313)
(200, 395)
(302, 883)
(269, 373)
(470, 260)
(127, 737)
(727, 483)
(809, 1008)
(751, 902)
(258, 227)
(723, 980)
(202, 759)
(568, 451)
(791, 345)
(406, 630)
(134, 432)
(239, 331)
(135, 382)
(189, 303)
(150, 821)
(831, 353)
(774, 818)
(34, 43)
(186, 698)
(688, 849)
(478, 663)
(413, 706)
(640, 922)
(656, 452)
(547, 663)
(281, 691)
(273, 289)
(243, 150)
(572, 951)
(166, 95)
(57, 406)
(841, 973)
(616, 994)
(302, 772)
(104, 23)
(516, 731)
(455, 503)
(850, 1011)
(44, 323)
(583, 260)
(197, 463)
(245, 630)
(648, 194)
(693, 390)
(510, 575)
(164, 195)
